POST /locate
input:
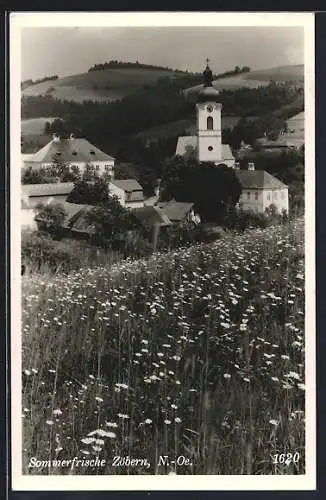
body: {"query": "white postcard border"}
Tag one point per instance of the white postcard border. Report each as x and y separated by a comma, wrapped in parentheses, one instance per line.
(22, 482)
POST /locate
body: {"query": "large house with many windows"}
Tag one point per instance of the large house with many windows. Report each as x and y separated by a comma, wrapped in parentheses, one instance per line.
(73, 152)
(260, 190)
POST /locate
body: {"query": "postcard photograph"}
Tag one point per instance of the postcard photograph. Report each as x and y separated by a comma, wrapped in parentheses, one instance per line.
(162, 251)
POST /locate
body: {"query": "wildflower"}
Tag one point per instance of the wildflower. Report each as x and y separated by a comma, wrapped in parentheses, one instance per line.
(123, 416)
(88, 440)
(274, 422)
(57, 412)
(167, 422)
(177, 420)
(49, 422)
(111, 424)
(99, 400)
(227, 375)
(148, 421)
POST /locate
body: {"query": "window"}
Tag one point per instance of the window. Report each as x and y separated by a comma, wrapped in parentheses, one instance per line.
(74, 153)
(97, 167)
(209, 108)
(107, 168)
(282, 195)
(128, 195)
(256, 196)
(268, 196)
(92, 152)
(210, 123)
(275, 195)
(248, 195)
(210, 148)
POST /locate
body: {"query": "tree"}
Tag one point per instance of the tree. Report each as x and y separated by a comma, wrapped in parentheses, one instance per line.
(213, 189)
(89, 192)
(113, 224)
(50, 218)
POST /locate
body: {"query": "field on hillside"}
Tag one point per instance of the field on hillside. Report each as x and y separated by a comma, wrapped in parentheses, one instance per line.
(172, 129)
(254, 79)
(34, 126)
(199, 352)
(105, 85)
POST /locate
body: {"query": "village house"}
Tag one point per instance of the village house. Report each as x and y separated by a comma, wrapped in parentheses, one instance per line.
(129, 192)
(33, 194)
(74, 152)
(260, 190)
(179, 212)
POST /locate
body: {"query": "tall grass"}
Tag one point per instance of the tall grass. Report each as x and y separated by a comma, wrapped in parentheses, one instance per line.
(199, 352)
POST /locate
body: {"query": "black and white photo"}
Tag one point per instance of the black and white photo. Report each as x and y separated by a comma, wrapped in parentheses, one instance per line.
(162, 246)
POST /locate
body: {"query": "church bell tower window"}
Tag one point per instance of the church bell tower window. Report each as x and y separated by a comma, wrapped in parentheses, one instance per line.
(210, 123)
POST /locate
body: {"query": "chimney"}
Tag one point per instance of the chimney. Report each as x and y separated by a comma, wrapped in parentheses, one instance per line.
(55, 138)
(71, 137)
(251, 165)
(237, 165)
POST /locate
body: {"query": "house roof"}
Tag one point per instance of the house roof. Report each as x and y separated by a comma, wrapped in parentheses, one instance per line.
(76, 219)
(50, 189)
(258, 179)
(190, 141)
(27, 156)
(176, 210)
(127, 184)
(279, 143)
(132, 187)
(150, 216)
(69, 150)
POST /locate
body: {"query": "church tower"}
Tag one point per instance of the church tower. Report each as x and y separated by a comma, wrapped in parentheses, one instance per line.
(209, 135)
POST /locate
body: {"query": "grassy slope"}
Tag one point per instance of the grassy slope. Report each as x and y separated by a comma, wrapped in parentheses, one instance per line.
(257, 78)
(111, 84)
(207, 342)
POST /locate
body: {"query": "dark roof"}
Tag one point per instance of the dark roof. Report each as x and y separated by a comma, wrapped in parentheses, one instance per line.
(176, 210)
(150, 216)
(70, 150)
(50, 189)
(76, 219)
(258, 179)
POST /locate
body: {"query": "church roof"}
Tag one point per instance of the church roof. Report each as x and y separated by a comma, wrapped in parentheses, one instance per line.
(190, 141)
(69, 150)
(258, 179)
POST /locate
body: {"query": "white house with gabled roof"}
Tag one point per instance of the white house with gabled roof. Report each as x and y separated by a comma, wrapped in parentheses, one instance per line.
(260, 190)
(74, 152)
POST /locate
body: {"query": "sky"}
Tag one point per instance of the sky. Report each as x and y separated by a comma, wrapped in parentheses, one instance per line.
(67, 51)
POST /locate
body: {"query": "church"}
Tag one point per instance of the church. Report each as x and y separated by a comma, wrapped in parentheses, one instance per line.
(260, 189)
(207, 143)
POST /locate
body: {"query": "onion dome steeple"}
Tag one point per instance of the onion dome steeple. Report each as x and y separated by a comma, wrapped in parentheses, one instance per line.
(208, 92)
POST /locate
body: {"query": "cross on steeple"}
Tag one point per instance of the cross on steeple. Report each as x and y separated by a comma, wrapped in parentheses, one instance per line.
(207, 60)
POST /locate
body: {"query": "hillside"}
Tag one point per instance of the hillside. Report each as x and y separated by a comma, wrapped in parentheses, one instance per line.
(254, 79)
(105, 85)
(180, 345)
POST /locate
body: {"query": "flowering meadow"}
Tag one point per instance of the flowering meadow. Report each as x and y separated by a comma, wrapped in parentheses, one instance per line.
(196, 353)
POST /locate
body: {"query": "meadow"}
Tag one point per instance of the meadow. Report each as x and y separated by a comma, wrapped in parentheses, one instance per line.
(258, 78)
(198, 352)
(105, 85)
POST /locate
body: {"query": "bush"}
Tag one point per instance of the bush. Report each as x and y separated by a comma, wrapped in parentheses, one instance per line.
(50, 218)
(40, 252)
